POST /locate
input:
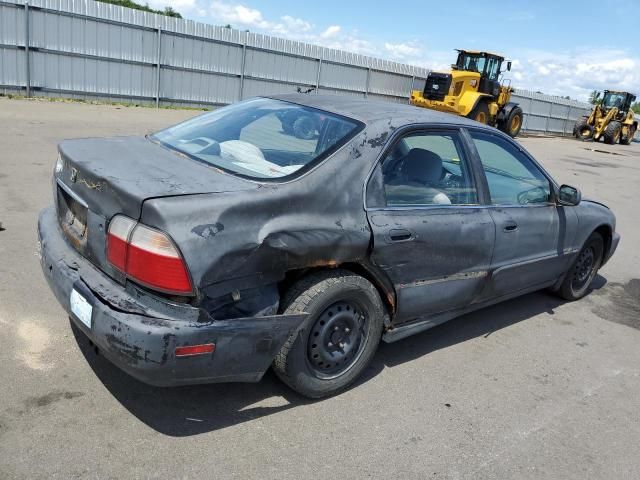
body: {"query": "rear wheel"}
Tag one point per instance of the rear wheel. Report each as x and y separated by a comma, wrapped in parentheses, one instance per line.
(584, 269)
(579, 125)
(339, 337)
(612, 133)
(626, 139)
(513, 123)
(480, 113)
(584, 131)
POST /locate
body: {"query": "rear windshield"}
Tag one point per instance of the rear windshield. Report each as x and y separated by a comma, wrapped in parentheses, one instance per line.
(260, 138)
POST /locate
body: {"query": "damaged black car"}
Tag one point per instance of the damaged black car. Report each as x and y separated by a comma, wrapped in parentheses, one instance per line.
(297, 231)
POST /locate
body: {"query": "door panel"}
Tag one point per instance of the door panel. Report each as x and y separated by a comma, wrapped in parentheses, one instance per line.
(445, 263)
(530, 254)
(531, 230)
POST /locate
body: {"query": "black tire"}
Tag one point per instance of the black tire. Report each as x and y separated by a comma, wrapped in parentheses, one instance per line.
(579, 277)
(627, 139)
(612, 133)
(513, 123)
(579, 125)
(304, 127)
(584, 132)
(325, 356)
(480, 112)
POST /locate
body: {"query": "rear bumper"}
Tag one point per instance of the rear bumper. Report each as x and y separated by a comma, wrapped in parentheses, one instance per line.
(141, 340)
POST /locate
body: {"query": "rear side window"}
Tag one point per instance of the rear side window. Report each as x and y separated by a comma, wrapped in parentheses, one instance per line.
(261, 138)
(512, 177)
(427, 169)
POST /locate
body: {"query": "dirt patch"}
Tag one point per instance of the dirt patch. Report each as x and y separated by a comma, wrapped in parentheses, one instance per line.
(623, 303)
(49, 398)
(596, 164)
(35, 340)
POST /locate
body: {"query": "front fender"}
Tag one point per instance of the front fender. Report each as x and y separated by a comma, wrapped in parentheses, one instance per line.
(469, 100)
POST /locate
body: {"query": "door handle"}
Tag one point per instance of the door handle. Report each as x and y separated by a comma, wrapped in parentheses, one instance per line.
(510, 227)
(400, 235)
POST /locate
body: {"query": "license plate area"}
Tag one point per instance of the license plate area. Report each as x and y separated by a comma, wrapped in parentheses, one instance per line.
(81, 308)
(72, 216)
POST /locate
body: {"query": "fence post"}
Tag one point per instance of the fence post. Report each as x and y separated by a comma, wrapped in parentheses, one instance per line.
(566, 120)
(318, 74)
(242, 66)
(546, 125)
(366, 91)
(158, 69)
(413, 81)
(27, 41)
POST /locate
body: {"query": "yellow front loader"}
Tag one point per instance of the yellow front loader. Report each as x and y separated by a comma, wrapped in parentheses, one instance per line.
(472, 89)
(612, 119)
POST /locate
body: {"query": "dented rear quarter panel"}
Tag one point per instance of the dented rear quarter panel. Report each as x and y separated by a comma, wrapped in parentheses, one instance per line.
(240, 240)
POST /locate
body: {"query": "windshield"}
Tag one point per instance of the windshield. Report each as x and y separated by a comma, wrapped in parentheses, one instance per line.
(471, 63)
(260, 138)
(614, 100)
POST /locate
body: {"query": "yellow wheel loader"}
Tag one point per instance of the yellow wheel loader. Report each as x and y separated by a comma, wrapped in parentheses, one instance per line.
(612, 120)
(472, 89)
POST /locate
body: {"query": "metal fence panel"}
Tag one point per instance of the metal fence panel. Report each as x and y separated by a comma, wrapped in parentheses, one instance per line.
(199, 54)
(12, 23)
(387, 83)
(84, 75)
(198, 87)
(275, 66)
(343, 77)
(12, 68)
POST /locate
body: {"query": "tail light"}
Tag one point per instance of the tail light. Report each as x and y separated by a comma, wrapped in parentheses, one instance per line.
(147, 256)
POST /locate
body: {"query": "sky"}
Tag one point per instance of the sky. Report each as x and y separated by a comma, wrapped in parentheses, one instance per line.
(561, 47)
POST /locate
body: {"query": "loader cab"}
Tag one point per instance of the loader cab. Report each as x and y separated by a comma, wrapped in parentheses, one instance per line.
(620, 100)
(488, 65)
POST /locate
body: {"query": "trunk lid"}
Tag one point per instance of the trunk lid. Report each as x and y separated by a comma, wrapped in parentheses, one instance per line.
(116, 175)
(100, 178)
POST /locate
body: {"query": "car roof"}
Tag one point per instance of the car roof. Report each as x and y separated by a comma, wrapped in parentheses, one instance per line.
(372, 111)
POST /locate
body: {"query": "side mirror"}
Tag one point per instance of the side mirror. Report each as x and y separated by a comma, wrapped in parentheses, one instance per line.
(509, 66)
(569, 196)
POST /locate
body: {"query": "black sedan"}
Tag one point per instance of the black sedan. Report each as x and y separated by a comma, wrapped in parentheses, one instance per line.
(298, 231)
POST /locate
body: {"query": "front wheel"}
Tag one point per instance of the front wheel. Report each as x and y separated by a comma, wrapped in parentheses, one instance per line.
(612, 133)
(480, 112)
(584, 269)
(339, 337)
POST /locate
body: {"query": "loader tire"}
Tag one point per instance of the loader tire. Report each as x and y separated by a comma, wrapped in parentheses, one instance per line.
(480, 112)
(584, 131)
(513, 123)
(627, 139)
(612, 133)
(580, 123)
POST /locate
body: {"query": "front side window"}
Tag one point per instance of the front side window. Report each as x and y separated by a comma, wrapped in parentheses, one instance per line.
(512, 177)
(427, 169)
(261, 138)
(493, 68)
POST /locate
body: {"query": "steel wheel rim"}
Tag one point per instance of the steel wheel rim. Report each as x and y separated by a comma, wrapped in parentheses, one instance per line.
(515, 123)
(337, 339)
(584, 269)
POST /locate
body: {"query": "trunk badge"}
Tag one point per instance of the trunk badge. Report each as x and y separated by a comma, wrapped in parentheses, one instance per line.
(74, 175)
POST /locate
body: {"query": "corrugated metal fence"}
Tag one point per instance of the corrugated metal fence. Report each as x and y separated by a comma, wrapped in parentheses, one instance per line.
(91, 49)
(86, 49)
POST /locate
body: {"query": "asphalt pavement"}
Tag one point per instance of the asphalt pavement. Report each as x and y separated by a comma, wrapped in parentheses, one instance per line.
(531, 388)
